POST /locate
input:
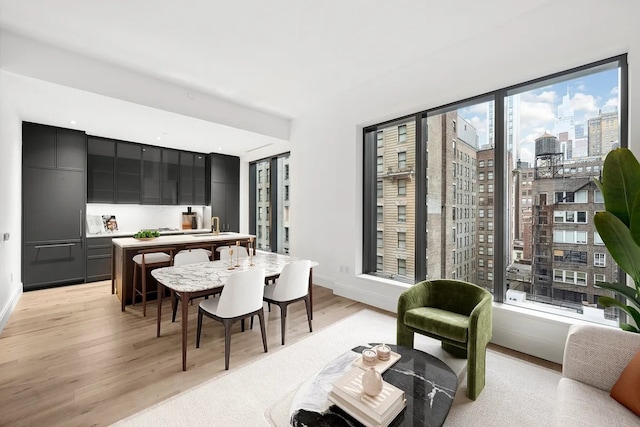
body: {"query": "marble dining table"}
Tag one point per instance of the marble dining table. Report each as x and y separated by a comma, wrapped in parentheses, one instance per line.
(206, 278)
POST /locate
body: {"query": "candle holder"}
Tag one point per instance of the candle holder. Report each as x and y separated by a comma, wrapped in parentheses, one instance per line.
(368, 357)
(237, 254)
(250, 250)
(383, 352)
(230, 259)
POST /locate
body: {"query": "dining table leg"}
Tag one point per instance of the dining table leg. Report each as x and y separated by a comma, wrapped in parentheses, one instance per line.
(185, 297)
(159, 316)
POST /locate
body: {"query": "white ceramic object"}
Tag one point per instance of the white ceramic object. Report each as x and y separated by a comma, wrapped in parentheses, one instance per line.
(372, 382)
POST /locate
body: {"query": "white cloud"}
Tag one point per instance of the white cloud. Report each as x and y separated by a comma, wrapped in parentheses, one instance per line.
(614, 91)
(547, 96)
(536, 114)
(585, 103)
(526, 155)
(612, 101)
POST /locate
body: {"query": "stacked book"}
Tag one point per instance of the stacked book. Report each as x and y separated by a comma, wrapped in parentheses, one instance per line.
(372, 411)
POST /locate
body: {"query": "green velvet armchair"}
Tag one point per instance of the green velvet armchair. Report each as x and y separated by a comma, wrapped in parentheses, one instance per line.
(457, 313)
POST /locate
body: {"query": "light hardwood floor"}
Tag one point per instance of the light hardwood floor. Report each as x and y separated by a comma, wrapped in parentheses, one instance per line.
(70, 357)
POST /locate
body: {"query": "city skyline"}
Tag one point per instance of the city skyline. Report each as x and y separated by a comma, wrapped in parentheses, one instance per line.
(538, 108)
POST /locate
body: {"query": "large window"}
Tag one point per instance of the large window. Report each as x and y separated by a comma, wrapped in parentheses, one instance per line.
(270, 207)
(517, 162)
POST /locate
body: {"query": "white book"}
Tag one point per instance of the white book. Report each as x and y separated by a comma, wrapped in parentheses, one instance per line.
(377, 410)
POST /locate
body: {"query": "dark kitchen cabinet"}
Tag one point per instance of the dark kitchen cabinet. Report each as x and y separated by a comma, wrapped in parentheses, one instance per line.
(225, 190)
(199, 180)
(151, 182)
(101, 157)
(170, 173)
(99, 259)
(193, 178)
(128, 172)
(53, 202)
(186, 190)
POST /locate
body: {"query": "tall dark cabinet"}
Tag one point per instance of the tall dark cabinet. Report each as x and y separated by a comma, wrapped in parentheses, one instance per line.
(54, 197)
(101, 156)
(224, 181)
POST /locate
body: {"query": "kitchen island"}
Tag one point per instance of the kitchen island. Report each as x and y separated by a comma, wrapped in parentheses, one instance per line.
(125, 248)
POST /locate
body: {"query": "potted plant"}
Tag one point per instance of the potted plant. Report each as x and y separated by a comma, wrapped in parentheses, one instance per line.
(619, 228)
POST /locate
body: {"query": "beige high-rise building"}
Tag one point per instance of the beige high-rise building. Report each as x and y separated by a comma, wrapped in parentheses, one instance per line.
(451, 199)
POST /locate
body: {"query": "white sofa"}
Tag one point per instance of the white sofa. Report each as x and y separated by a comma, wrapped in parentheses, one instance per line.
(594, 358)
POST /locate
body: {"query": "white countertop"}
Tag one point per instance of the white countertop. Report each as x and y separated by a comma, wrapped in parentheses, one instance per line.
(130, 242)
(162, 233)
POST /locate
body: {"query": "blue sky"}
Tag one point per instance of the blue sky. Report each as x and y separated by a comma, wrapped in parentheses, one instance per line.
(539, 107)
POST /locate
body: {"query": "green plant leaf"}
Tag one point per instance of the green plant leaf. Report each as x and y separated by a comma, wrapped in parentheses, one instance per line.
(620, 183)
(635, 220)
(617, 238)
(612, 302)
(626, 291)
(629, 328)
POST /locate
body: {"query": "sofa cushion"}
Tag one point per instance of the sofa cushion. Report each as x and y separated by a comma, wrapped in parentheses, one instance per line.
(627, 389)
(443, 323)
(578, 404)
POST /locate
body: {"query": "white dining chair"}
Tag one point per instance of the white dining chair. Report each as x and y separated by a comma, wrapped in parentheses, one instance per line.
(290, 287)
(241, 298)
(188, 256)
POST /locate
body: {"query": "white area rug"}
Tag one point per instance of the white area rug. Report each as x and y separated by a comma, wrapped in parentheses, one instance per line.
(260, 393)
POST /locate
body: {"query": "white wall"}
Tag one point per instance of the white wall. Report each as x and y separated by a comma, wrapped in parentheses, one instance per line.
(10, 202)
(326, 142)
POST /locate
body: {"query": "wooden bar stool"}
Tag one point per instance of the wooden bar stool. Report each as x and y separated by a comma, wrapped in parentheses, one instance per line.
(148, 259)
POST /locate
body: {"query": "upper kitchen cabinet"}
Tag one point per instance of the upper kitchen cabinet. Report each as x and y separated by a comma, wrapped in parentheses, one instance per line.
(225, 190)
(51, 147)
(200, 180)
(185, 193)
(151, 181)
(170, 172)
(101, 157)
(128, 172)
(192, 190)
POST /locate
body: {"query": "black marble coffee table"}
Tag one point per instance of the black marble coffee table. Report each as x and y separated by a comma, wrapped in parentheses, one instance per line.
(429, 385)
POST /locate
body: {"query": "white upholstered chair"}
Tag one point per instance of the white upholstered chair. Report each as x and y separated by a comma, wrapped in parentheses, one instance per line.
(291, 286)
(241, 298)
(188, 256)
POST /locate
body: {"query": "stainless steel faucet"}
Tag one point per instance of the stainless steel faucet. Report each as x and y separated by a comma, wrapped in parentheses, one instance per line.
(215, 225)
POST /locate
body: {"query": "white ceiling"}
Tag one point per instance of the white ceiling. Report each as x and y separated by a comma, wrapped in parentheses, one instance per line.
(279, 56)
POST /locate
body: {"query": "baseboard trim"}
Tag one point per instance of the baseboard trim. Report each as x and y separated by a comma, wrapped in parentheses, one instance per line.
(8, 309)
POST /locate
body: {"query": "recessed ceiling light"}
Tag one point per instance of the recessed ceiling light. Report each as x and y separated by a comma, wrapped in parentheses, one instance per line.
(190, 95)
(158, 138)
(73, 122)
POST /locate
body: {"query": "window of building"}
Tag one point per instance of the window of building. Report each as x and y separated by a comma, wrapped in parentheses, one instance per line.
(402, 160)
(402, 267)
(402, 133)
(599, 259)
(380, 138)
(402, 214)
(379, 214)
(489, 188)
(379, 262)
(380, 164)
(481, 176)
(489, 175)
(402, 240)
(380, 239)
(402, 187)
(570, 236)
(598, 197)
(379, 189)
(572, 217)
(481, 163)
(264, 208)
(481, 188)
(597, 240)
(490, 163)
